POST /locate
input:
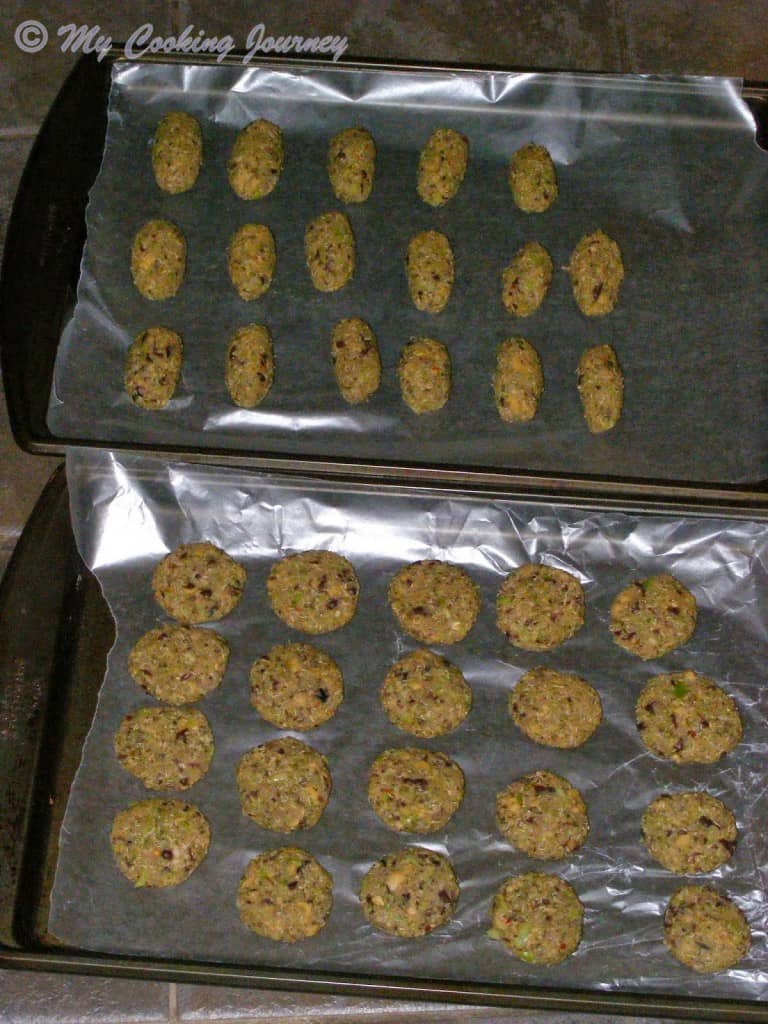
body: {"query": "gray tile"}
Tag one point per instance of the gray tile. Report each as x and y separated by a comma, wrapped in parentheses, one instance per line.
(703, 38)
(529, 33)
(13, 156)
(29, 81)
(30, 998)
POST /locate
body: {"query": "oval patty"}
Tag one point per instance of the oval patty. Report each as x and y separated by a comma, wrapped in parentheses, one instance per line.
(356, 361)
(329, 246)
(250, 365)
(351, 164)
(256, 160)
(442, 166)
(518, 382)
(153, 367)
(430, 269)
(158, 259)
(252, 259)
(177, 152)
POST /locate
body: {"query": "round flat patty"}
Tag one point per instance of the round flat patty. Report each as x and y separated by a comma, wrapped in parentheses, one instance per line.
(690, 832)
(436, 602)
(285, 895)
(198, 583)
(284, 784)
(166, 748)
(543, 815)
(179, 664)
(296, 686)
(313, 591)
(538, 917)
(410, 893)
(158, 843)
(653, 616)
(415, 790)
(687, 718)
(556, 709)
(539, 607)
(704, 930)
(425, 695)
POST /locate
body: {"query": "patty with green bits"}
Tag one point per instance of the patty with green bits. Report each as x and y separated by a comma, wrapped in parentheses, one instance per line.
(556, 709)
(687, 718)
(256, 160)
(532, 179)
(690, 832)
(705, 930)
(177, 152)
(165, 748)
(601, 388)
(415, 790)
(596, 270)
(153, 367)
(539, 607)
(179, 664)
(356, 360)
(410, 893)
(158, 259)
(518, 381)
(158, 843)
(543, 815)
(249, 368)
(424, 372)
(352, 164)
(285, 895)
(313, 591)
(425, 695)
(442, 166)
(429, 265)
(198, 582)
(329, 248)
(296, 686)
(251, 260)
(653, 616)
(538, 917)
(526, 280)
(435, 601)
(284, 784)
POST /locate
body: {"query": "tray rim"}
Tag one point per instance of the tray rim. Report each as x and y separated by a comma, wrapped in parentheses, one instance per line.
(39, 956)
(748, 497)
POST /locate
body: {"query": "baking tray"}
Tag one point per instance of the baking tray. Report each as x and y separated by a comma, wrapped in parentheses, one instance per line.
(38, 287)
(55, 633)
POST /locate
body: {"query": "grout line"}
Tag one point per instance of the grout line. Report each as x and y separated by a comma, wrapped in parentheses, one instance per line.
(173, 1003)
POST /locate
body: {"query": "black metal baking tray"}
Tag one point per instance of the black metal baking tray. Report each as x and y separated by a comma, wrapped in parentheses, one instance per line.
(55, 632)
(37, 292)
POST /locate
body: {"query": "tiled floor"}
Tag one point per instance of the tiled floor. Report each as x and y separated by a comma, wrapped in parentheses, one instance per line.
(668, 36)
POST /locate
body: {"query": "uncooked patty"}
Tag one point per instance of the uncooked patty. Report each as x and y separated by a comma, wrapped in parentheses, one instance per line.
(410, 893)
(313, 591)
(296, 686)
(704, 930)
(285, 895)
(198, 583)
(538, 917)
(557, 709)
(539, 607)
(596, 270)
(689, 833)
(284, 784)
(434, 601)
(532, 179)
(153, 367)
(653, 616)
(442, 166)
(179, 664)
(687, 718)
(415, 790)
(543, 815)
(165, 748)
(425, 695)
(158, 843)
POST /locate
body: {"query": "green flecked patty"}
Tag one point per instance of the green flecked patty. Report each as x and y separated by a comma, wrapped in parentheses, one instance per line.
(165, 748)
(329, 247)
(296, 686)
(415, 790)
(596, 270)
(424, 372)
(313, 591)
(538, 917)
(543, 815)
(705, 930)
(352, 164)
(153, 367)
(557, 709)
(532, 179)
(652, 617)
(687, 718)
(250, 365)
(285, 895)
(198, 582)
(179, 664)
(601, 388)
(425, 695)
(251, 260)
(158, 259)
(690, 832)
(410, 893)
(436, 602)
(158, 843)
(442, 166)
(356, 360)
(539, 607)
(177, 152)
(518, 381)
(429, 266)
(256, 160)
(284, 784)
(526, 280)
